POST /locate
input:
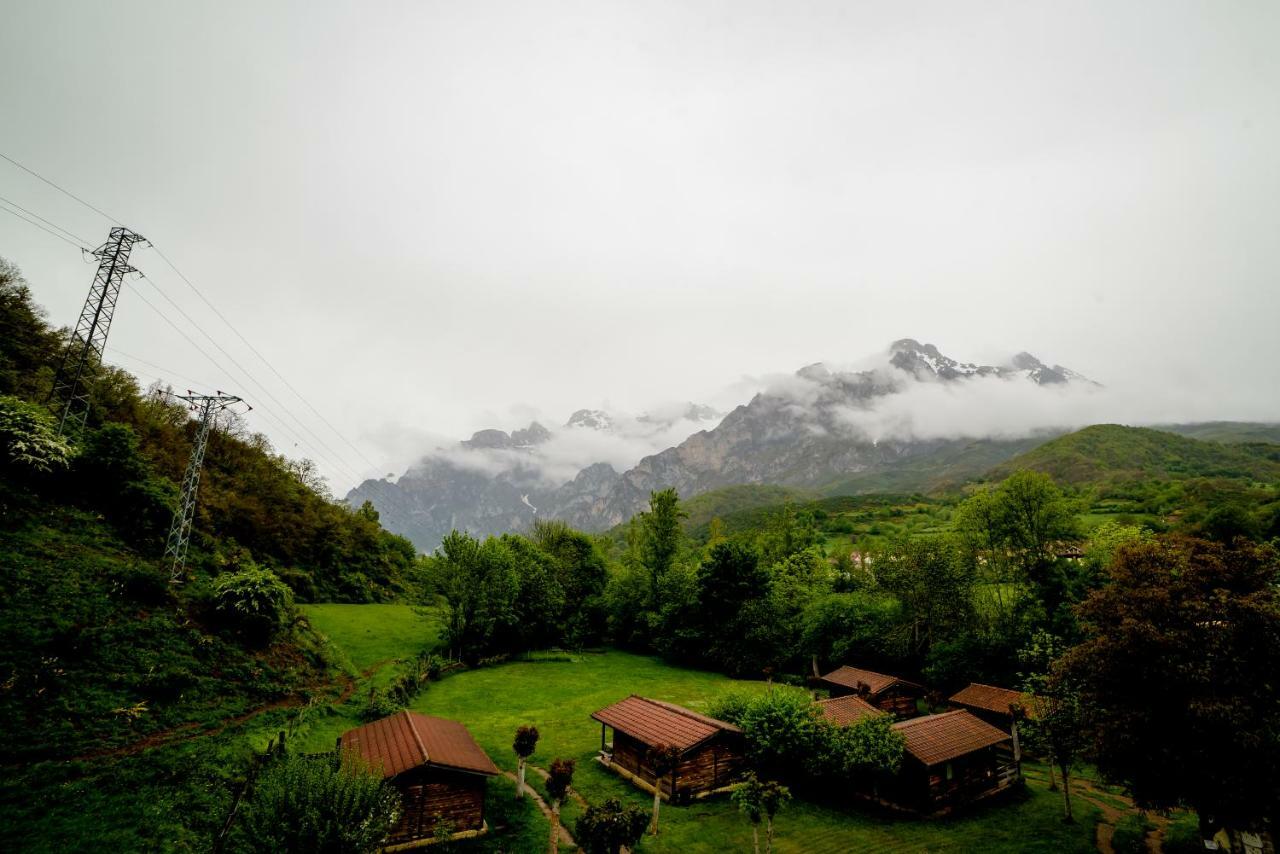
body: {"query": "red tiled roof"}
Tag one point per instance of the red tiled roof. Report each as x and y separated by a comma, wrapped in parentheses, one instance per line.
(407, 740)
(847, 710)
(988, 697)
(852, 677)
(938, 738)
(654, 722)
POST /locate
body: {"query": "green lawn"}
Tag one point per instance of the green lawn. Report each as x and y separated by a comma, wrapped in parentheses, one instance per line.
(366, 635)
(558, 694)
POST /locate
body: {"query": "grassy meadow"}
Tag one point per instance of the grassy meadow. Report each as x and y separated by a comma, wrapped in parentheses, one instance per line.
(557, 693)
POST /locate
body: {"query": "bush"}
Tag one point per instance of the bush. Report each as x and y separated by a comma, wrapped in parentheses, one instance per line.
(254, 601)
(1131, 835)
(316, 805)
(29, 441)
(609, 827)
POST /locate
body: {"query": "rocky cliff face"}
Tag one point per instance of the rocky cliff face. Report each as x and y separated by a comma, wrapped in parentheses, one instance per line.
(805, 432)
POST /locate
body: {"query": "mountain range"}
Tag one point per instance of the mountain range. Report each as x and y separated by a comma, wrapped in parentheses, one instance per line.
(817, 429)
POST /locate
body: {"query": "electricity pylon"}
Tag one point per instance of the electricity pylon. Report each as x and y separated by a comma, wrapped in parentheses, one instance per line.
(90, 335)
(180, 530)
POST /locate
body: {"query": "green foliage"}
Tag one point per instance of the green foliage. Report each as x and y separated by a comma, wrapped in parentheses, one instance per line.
(934, 586)
(300, 804)
(1175, 668)
(255, 601)
(609, 827)
(788, 738)
(559, 779)
(29, 441)
(660, 536)
(27, 344)
(1130, 836)
(1111, 453)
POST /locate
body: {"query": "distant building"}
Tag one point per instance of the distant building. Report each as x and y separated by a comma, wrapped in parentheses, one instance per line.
(710, 750)
(887, 693)
(435, 764)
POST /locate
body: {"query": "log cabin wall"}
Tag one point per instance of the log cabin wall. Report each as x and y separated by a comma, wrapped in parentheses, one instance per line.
(713, 765)
(432, 795)
(897, 700)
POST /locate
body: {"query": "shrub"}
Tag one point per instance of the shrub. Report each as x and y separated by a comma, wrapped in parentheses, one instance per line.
(29, 442)
(1130, 836)
(316, 805)
(254, 601)
(609, 827)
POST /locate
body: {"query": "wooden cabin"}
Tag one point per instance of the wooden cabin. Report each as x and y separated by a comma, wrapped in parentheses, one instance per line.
(950, 760)
(710, 750)
(848, 710)
(994, 705)
(437, 767)
(887, 693)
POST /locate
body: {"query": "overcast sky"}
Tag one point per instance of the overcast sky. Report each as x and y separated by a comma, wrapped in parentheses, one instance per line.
(435, 217)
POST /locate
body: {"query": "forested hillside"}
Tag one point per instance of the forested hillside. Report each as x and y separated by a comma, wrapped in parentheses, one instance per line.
(1110, 453)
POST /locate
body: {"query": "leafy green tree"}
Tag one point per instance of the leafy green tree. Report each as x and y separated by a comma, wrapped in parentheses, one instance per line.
(1175, 672)
(1229, 521)
(935, 587)
(29, 440)
(255, 601)
(843, 626)
(758, 798)
(582, 574)
(539, 604)
(307, 806)
(734, 611)
(480, 586)
(559, 780)
(525, 743)
(1055, 718)
(27, 344)
(660, 539)
(610, 827)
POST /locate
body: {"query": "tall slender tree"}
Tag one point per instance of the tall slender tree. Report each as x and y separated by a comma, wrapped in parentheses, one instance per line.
(525, 743)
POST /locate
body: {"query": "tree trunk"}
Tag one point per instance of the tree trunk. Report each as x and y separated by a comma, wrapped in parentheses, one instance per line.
(755, 836)
(657, 800)
(520, 779)
(555, 827)
(768, 836)
(1053, 781)
(1066, 796)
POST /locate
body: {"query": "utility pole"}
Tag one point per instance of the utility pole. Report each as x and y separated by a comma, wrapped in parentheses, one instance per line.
(90, 336)
(180, 531)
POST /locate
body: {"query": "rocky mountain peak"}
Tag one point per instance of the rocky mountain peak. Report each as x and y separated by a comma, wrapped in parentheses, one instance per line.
(591, 419)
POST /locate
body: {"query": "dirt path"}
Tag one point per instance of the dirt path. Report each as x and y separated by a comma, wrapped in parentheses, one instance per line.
(191, 731)
(561, 830)
(1089, 792)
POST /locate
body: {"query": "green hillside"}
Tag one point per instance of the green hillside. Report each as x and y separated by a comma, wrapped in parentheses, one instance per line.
(1226, 431)
(1111, 453)
(939, 471)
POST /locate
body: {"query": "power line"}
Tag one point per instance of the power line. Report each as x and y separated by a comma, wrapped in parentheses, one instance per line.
(79, 246)
(298, 440)
(62, 190)
(82, 241)
(214, 308)
(264, 359)
(245, 371)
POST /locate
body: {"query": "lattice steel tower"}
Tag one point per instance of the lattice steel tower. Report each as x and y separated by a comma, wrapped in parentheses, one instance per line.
(180, 531)
(90, 336)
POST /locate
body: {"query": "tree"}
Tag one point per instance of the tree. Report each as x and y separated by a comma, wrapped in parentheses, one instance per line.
(525, 743)
(1177, 670)
(480, 585)
(610, 827)
(302, 805)
(29, 442)
(254, 601)
(760, 799)
(660, 538)
(1055, 717)
(663, 759)
(934, 586)
(559, 779)
(734, 612)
